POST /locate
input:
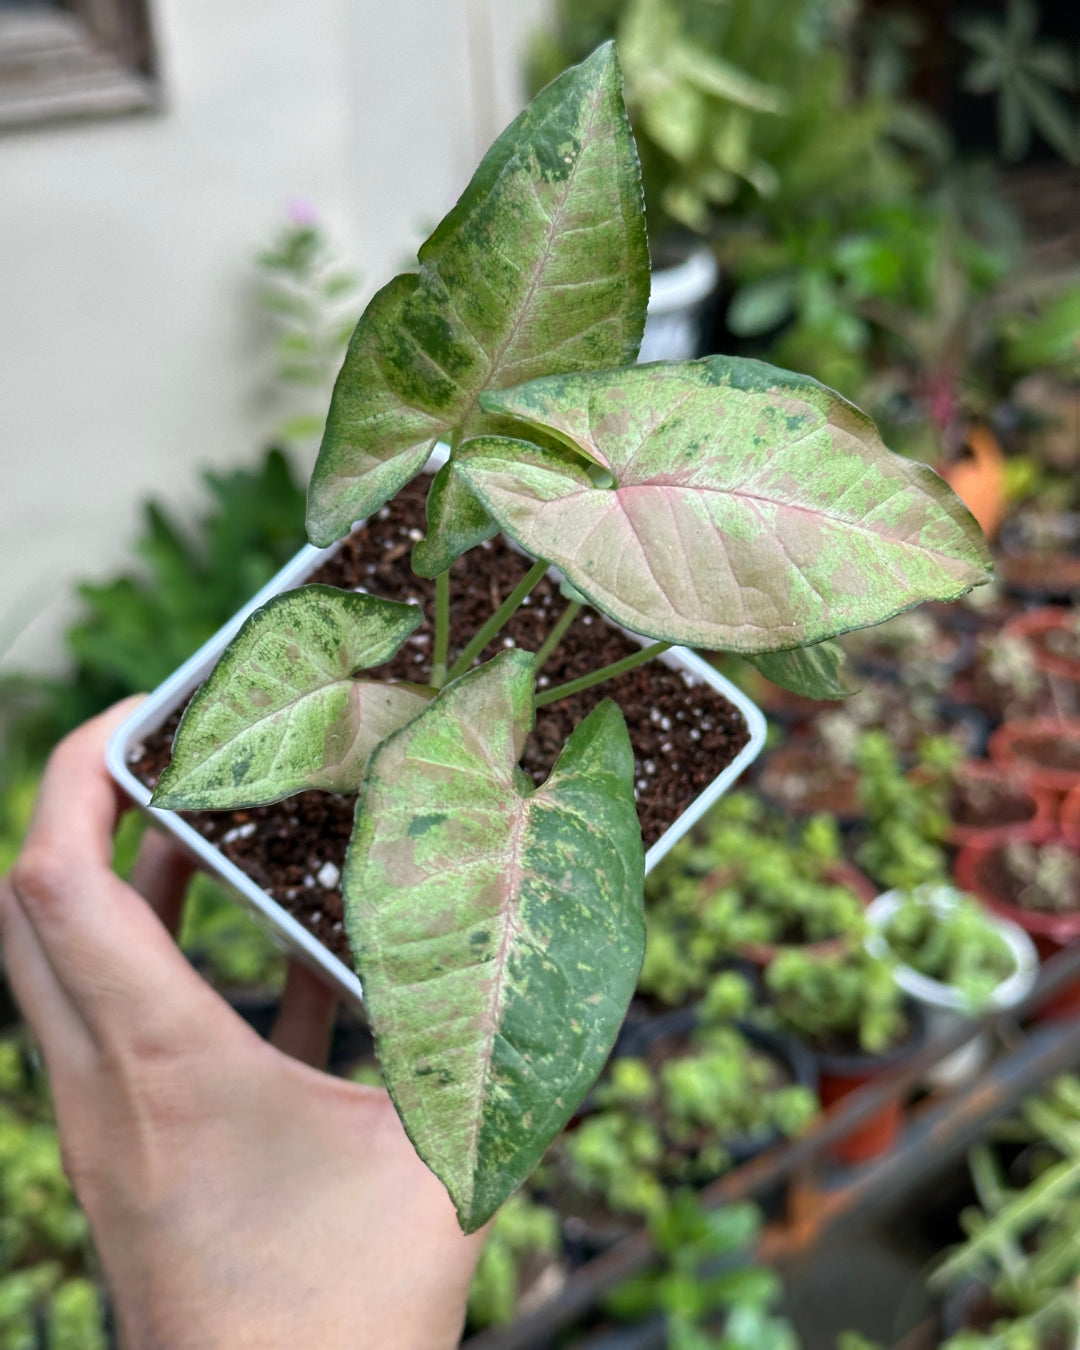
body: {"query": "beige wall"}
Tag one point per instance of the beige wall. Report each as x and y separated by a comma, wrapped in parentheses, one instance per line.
(126, 352)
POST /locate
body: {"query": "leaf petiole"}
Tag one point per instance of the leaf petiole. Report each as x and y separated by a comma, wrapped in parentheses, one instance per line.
(442, 629)
(487, 631)
(597, 676)
(558, 632)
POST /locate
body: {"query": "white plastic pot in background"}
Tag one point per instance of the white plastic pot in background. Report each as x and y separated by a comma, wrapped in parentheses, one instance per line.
(945, 1005)
(673, 323)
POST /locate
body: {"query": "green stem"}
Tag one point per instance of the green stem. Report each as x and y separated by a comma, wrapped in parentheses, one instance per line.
(604, 673)
(488, 630)
(566, 618)
(442, 629)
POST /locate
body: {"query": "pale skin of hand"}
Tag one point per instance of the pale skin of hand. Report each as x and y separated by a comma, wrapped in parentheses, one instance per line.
(238, 1197)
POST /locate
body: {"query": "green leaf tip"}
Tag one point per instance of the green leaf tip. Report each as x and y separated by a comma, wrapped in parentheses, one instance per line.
(752, 509)
(541, 266)
(283, 711)
(814, 672)
(497, 927)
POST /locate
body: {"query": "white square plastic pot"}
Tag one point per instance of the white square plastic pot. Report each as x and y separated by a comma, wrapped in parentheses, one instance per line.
(283, 929)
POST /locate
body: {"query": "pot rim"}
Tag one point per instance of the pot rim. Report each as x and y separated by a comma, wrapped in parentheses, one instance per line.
(1003, 742)
(935, 993)
(286, 931)
(862, 1065)
(1059, 928)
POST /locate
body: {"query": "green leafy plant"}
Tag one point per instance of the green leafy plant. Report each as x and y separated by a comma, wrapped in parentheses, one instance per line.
(742, 879)
(310, 301)
(846, 1001)
(740, 110)
(1026, 75)
(46, 1264)
(1021, 1244)
(706, 1279)
(948, 937)
(494, 996)
(906, 812)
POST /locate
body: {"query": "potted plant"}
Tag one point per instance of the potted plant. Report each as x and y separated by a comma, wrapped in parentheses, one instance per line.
(706, 1282)
(695, 503)
(1030, 876)
(745, 886)
(1043, 751)
(955, 960)
(705, 1091)
(848, 1007)
(984, 800)
(906, 820)
(1054, 632)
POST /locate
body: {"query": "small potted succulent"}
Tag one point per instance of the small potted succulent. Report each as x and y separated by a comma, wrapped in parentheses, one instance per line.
(1054, 633)
(494, 915)
(1030, 876)
(744, 886)
(1044, 752)
(705, 1092)
(955, 960)
(849, 1009)
(984, 800)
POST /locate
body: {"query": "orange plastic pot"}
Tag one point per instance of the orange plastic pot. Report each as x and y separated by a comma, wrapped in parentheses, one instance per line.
(974, 871)
(1034, 625)
(1043, 752)
(841, 1075)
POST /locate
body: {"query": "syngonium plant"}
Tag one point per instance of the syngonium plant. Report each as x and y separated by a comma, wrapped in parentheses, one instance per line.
(497, 926)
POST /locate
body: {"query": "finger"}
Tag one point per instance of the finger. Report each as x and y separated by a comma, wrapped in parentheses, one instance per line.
(107, 949)
(161, 875)
(54, 1019)
(306, 1019)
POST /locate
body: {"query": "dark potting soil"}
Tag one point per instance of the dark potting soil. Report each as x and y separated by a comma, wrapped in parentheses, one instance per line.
(683, 732)
(980, 804)
(1000, 879)
(1049, 752)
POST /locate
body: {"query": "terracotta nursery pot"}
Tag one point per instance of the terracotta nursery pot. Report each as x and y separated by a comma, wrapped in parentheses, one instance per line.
(977, 870)
(1036, 625)
(840, 873)
(991, 800)
(800, 780)
(1044, 753)
(839, 1075)
(1070, 818)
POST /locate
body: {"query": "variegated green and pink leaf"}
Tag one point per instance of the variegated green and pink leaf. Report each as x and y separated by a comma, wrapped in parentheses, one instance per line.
(751, 510)
(497, 926)
(283, 710)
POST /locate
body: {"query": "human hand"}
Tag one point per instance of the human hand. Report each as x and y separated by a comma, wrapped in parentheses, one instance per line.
(237, 1196)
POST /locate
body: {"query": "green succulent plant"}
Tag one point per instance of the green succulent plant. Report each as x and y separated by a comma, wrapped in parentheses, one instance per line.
(847, 1000)
(948, 937)
(511, 343)
(521, 1232)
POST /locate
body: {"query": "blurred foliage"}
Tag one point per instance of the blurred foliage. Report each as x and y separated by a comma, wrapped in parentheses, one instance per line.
(49, 1298)
(742, 110)
(1028, 76)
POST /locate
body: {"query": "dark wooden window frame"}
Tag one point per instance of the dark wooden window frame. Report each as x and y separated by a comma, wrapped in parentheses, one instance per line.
(84, 58)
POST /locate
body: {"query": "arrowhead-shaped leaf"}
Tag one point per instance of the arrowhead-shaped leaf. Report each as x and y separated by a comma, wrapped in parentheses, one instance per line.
(814, 672)
(752, 509)
(497, 927)
(541, 266)
(282, 712)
